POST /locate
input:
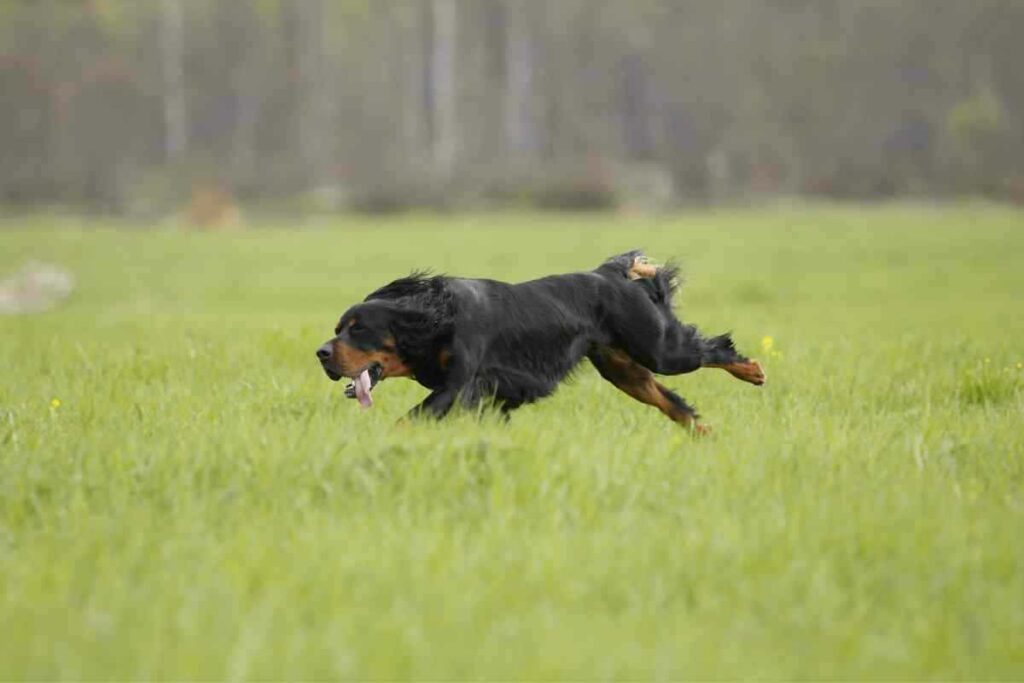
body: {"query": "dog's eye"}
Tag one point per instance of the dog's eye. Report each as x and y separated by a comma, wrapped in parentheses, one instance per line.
(356, 327)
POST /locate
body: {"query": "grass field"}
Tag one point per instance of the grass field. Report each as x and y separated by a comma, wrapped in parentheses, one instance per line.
(183, 494)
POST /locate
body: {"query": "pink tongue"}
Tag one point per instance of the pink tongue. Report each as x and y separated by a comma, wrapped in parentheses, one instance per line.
(363, 386)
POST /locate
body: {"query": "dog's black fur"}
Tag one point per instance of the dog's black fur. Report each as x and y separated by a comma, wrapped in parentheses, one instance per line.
(471, 340)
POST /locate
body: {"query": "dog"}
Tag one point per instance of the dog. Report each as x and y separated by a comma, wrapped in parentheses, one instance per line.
(470, 341)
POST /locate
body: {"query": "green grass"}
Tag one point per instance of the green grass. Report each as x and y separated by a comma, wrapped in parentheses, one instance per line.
(203, 503)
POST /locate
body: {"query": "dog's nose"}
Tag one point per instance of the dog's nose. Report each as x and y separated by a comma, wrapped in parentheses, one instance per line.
(324, 352)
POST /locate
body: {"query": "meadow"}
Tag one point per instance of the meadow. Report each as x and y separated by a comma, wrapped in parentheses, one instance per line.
(184, 494)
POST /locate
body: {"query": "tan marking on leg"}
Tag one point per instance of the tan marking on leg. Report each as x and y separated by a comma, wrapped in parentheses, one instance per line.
(638, 382)
(748, 371)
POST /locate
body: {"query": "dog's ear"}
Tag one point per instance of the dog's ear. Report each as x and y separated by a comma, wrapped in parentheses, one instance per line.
(408, 322)
(416, 332)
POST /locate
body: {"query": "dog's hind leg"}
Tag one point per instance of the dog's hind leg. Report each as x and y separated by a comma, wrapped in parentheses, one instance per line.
(637, 381)
(647, 330)
(654, 338)
(719, 352)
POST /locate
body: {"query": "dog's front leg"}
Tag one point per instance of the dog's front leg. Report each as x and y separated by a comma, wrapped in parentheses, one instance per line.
(436, 404)
(461, 385)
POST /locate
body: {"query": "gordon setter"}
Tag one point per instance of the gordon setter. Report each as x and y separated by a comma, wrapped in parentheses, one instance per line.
(472, 340)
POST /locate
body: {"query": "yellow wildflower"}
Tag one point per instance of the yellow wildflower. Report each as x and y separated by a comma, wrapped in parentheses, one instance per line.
(55, 403)
(767, 343)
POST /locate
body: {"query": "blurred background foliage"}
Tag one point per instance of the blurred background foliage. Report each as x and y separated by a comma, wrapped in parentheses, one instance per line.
(132, 106)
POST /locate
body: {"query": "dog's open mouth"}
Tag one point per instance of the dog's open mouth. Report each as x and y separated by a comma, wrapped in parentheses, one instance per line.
(363, 384)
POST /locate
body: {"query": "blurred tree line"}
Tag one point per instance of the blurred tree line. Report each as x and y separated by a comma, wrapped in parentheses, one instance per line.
(124, 105)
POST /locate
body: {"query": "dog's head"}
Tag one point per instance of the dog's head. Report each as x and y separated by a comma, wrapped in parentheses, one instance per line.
(364, 339)
(368, 347)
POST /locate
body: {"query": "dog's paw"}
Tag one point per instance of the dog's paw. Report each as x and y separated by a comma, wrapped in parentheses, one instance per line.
(750, 371)
(642, 269)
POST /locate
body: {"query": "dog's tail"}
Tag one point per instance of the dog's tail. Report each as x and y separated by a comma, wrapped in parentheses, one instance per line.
(661, 282)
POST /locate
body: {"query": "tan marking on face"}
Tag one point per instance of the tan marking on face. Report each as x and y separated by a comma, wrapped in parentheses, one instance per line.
(352, 360)
(339, 327)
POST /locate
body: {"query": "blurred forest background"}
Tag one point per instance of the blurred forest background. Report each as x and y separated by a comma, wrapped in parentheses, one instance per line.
(132, 106)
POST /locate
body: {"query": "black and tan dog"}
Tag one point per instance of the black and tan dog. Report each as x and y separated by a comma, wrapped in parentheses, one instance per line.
(472, 340)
